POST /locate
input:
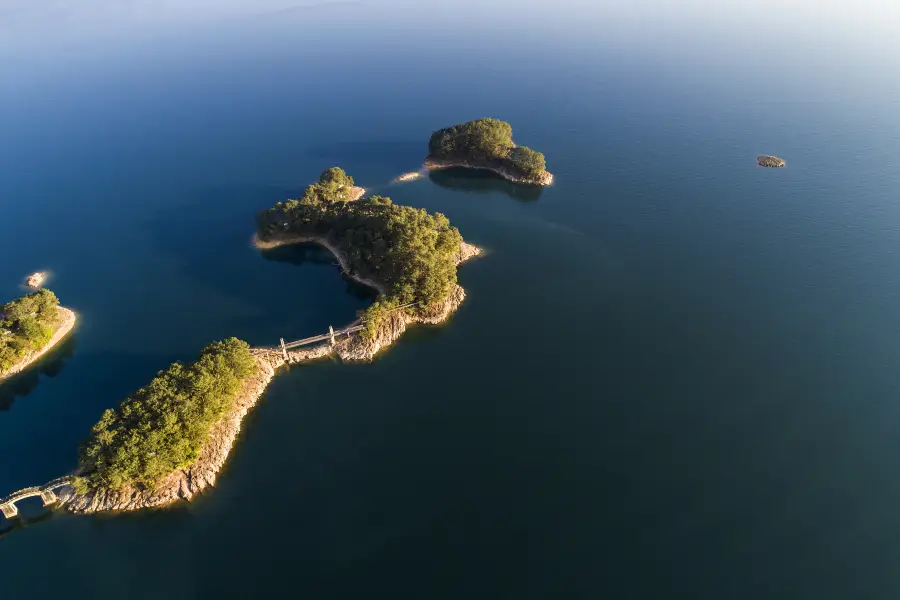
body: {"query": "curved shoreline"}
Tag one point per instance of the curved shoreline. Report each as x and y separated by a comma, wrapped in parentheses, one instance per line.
(432, 163)
(67, 320)
(288, 240)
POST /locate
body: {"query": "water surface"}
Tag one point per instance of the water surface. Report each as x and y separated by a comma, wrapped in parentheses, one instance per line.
(674, 373)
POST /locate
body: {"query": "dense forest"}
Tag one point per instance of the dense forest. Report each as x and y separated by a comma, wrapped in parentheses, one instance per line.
(410, 251)
(26, 324)
(163, 426)
(488, 142)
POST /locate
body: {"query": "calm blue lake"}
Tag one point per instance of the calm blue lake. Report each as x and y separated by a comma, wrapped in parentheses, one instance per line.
(675, 375)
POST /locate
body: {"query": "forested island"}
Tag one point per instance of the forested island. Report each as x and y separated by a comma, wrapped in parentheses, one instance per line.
(163, 426)
(487, 144)
(169, 440)
(409, 255)
(30, 327)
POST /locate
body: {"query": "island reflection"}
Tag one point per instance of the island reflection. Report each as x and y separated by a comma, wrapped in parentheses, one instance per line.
(482, 182)
(300, 254)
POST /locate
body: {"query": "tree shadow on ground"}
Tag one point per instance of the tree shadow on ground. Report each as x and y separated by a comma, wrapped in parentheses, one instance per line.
(478, 181)
(24, 383)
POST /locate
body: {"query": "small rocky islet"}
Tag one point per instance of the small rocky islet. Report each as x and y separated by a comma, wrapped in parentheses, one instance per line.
(36, 280)
(770, 162)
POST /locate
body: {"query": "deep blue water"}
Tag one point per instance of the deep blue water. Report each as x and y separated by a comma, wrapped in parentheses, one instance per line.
(675, 373)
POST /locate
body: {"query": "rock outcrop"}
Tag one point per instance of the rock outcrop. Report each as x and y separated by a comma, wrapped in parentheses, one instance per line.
(772, 162)
(356, 193)
(467, 251)
(36, 280)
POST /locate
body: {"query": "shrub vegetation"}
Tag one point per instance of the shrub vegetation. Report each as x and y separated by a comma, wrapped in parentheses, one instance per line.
(164, 425)
(26, 324)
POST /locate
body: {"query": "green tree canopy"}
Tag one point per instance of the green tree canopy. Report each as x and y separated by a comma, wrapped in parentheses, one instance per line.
(164, 425)
(483, 139)
(486, 142)
(410, 251)
(26, 324)
(528, 160)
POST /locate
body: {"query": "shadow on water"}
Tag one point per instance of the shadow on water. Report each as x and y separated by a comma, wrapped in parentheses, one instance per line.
(50, 365)
(483, 182)
(8, 526)
(300, 254)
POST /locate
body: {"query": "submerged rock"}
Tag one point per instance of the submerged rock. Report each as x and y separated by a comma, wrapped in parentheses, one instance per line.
(772, 162)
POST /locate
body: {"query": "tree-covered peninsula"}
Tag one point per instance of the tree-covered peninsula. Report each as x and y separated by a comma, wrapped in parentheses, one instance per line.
(29, 326)
(487, 144)
(163, 426)
(410, 253)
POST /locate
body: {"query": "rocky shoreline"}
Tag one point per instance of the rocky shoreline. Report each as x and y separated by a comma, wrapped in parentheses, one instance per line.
(545, 179)
(771, 162)
(357, 192)
(186, 484)
(67, 320)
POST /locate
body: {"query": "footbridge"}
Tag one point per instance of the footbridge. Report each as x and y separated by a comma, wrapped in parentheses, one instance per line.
(331, 336)
(46, 492)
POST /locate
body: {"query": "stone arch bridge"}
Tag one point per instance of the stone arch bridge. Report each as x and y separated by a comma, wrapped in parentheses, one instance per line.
(46, 492)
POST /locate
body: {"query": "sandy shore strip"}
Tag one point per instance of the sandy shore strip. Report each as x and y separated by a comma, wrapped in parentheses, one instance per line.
(67, 320)
(411, 176)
